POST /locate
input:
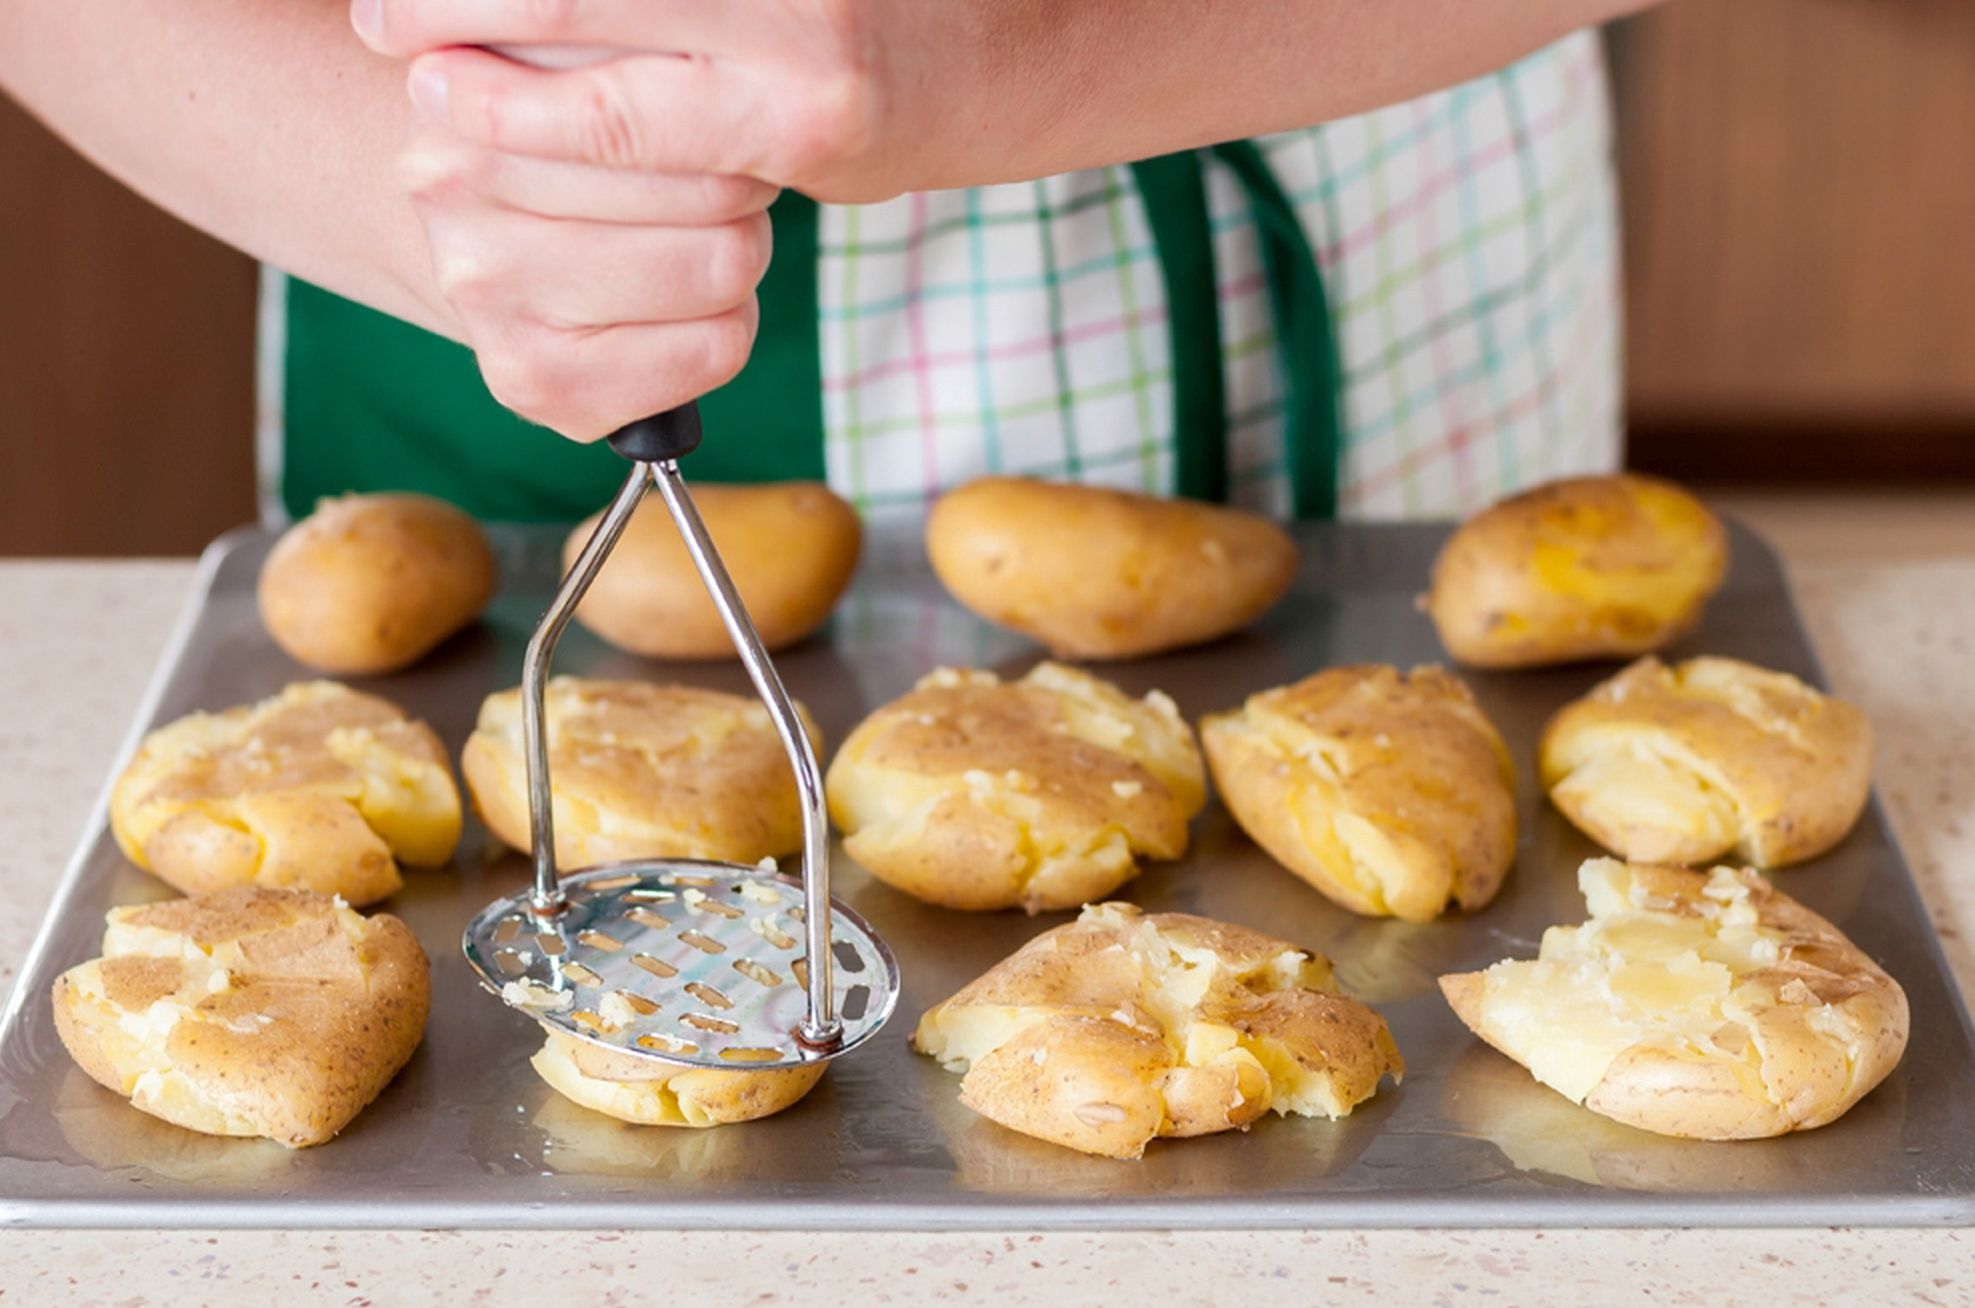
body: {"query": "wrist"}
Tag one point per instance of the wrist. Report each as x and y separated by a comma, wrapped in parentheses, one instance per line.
(988, 92)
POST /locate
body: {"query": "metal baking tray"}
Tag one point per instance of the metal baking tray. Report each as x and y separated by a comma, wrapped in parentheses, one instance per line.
(469, 1136)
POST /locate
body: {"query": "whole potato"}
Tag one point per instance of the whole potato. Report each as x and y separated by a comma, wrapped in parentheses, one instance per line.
(370, 583)
(1095, 573)
(1584, 568)
(790, 547)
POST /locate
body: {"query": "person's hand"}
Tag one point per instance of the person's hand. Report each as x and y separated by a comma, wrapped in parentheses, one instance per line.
(591, 296)
(831, 97)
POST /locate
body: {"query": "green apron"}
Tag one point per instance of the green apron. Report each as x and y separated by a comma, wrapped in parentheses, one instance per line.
(372, 403)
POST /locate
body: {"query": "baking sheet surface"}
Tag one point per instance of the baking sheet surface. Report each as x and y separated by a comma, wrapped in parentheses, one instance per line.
(469, 1136)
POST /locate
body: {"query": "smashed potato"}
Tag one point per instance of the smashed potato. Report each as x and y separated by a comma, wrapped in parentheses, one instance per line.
(1095, 573)
(1700, 1004)
(790, 547)
(1121, 1028)
(1042, 793)
(1390, 792)
(651, 1093)
(1585, 568)
(638, 770)
(1689, 762)
(369, 583)
(251, 1012)
(319, 787)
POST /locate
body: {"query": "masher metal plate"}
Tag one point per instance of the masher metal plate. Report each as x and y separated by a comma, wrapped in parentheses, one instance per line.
(691, 962)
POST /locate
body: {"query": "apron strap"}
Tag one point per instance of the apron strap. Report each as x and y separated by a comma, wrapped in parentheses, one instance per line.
(1175, 197)
(767, 423)
(1307, 343)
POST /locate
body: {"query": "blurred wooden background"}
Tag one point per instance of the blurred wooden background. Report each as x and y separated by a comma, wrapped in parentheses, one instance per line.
(126, 359)
(1800, 239)
(1799, 190)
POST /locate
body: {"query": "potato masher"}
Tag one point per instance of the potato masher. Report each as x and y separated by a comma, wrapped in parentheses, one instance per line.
(685, 961)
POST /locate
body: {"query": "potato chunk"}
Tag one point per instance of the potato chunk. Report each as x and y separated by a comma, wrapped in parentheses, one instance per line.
(251, 1012)
(638, 770)
(650, 1093)
(319, 787)
(1042, 793)
(1120, 1028)
(790, 547)
(1589, 567)
(1390, 792)
(1095, 573)
(1693, 1004)
(1689, 762)
(370, 583)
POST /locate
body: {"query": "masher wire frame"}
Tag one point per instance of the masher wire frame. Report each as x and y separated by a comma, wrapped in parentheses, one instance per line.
(821, 1027)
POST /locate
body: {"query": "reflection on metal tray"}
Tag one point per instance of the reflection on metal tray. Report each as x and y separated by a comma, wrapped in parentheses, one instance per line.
(468, 1135)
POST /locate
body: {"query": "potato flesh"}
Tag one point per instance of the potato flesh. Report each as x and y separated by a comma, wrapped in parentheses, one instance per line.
(134, 1045)
(403, 800)
(1149, 730)
(1673, 814)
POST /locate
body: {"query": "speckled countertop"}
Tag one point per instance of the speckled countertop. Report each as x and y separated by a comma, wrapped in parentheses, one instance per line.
(1888, 586)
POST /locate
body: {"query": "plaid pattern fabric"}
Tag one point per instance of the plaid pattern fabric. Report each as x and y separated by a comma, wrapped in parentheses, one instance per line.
(1467, 241)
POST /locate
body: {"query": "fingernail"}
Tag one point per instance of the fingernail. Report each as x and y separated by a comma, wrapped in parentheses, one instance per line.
(429, 90)
(367, 16)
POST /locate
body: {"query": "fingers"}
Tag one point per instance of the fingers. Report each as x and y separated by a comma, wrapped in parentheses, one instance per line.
(587, 385)
(656, 113)
(403, 28)
(575, 276)
(439, 161)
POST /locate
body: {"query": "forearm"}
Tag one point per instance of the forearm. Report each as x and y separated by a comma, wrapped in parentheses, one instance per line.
(267, 124)
(1063, 84)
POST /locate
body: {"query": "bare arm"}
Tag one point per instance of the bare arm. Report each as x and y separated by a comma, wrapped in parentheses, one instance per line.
(1069, 85)
(264, 122)
(593, 233)
(854, 100)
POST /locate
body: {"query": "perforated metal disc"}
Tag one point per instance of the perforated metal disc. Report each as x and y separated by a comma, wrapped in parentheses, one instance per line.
(695, 963)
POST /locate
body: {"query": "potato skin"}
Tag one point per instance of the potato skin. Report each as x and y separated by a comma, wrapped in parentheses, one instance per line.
(1584, 568)
(1390, 792)
(647, 1093)
(791, 548)
(1095, 573)
(369, 584)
